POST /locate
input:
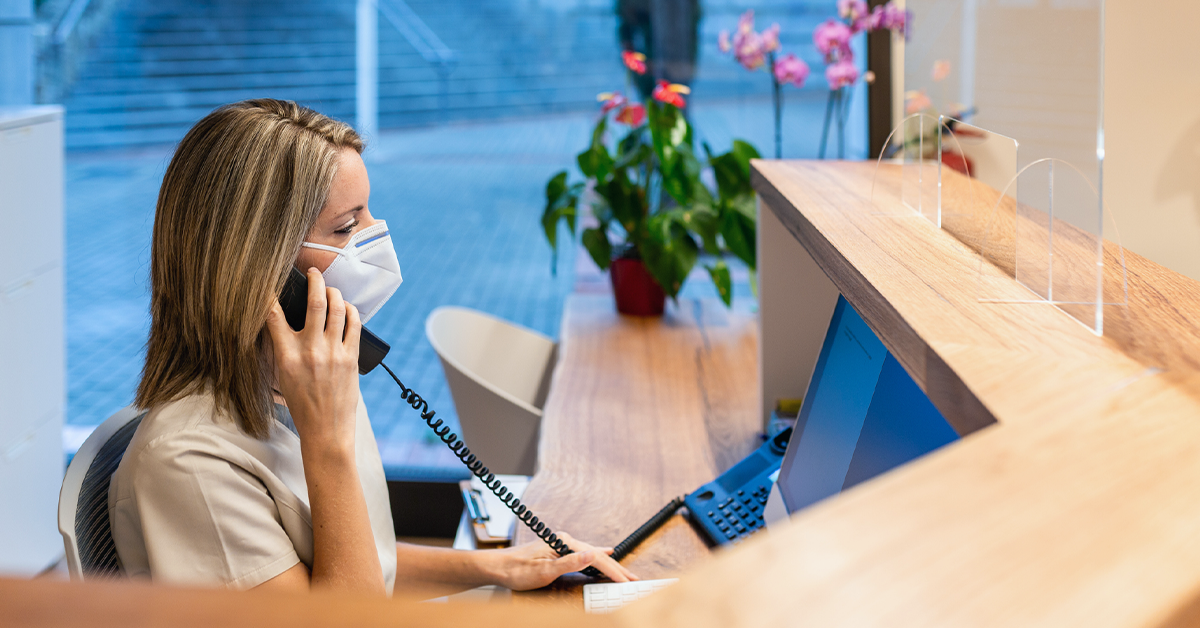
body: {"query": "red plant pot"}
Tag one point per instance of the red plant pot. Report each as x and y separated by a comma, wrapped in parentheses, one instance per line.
(635, 290)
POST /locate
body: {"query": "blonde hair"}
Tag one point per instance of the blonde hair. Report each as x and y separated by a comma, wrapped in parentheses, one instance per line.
(243, 190)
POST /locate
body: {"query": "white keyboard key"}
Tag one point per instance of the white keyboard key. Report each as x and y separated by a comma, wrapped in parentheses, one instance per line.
(610, 596)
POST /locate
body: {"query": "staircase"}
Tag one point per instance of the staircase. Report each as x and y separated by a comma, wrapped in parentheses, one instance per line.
(167, 63)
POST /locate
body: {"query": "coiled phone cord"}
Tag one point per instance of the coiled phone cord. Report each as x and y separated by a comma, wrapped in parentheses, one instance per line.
(463, 453)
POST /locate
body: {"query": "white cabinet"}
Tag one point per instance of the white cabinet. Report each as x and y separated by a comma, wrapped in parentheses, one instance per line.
(32, 337)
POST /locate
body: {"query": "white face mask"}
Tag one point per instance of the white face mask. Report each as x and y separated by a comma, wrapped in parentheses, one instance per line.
(366, 271)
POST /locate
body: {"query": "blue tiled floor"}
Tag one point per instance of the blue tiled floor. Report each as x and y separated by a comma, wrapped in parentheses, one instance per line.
(462, 202)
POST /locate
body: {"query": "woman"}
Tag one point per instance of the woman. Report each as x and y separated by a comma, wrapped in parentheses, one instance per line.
(256, 465)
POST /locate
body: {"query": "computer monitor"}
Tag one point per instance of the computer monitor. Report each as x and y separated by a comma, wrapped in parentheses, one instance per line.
(861, 416)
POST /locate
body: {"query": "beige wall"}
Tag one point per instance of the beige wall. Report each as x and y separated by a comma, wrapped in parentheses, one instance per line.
(1152, 128)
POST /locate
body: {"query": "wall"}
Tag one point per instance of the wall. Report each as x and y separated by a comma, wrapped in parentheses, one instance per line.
(1152, 129)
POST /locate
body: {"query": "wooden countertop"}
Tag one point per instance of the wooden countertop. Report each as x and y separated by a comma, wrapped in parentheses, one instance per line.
(55, 604)
(642, 410)
(1078, 507)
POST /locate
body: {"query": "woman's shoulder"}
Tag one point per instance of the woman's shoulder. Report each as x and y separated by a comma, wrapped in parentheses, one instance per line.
(190, 426)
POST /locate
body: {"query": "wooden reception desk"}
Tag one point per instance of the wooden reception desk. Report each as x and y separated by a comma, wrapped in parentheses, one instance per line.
(1072, 500)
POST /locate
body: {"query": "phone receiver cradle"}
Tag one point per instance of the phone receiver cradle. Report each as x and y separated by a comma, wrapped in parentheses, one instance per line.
(294, 300)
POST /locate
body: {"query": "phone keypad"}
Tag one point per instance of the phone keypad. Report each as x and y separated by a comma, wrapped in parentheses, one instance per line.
(740, 515)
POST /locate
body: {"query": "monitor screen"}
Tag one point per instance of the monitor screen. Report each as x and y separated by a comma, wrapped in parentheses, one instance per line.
(862, 415)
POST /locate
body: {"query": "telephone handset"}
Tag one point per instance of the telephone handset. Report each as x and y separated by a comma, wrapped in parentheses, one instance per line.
(371, 351)
(294, 300)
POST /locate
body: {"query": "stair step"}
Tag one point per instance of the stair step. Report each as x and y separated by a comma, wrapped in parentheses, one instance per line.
(168, 63)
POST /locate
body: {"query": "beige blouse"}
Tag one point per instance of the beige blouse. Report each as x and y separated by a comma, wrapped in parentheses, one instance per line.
(197, 502)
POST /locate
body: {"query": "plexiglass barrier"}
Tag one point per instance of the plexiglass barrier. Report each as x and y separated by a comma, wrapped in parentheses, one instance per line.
(1041, 225)
(975, 165)
(906, 173)
(1021, 71)
(1046, 230)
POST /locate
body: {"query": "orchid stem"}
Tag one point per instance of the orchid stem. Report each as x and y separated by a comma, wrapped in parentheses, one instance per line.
(828, 119)
(778, 111)
(843, 108)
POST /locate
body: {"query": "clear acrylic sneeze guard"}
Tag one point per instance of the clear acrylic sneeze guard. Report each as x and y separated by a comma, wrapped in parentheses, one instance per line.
(906, 172)
(1046, 231)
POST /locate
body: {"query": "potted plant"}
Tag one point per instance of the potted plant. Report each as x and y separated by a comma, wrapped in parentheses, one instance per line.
(649, 213)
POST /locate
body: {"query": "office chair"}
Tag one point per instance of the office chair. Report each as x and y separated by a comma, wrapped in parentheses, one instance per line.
(499, 374)
(83, 501)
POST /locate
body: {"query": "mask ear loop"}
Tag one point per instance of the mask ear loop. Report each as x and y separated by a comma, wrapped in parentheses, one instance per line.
(323, 247)
(341, 253)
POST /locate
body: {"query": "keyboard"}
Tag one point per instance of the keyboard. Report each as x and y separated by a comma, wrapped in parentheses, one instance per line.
(608, 597)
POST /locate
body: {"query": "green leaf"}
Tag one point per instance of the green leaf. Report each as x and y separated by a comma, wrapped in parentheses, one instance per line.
(744, 204)
(732, 170)
(555, 188)
(720, 277)
(668, 251)
(636, 156)
(595, 162)
(681, 177)
(561, 202)
(738, 233)
(624, 201)
(704, 223)
(744, 152)
(597, 245)
(679, 132)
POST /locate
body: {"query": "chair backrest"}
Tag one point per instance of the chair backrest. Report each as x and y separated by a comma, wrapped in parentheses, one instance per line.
(510, 360)
(499, 374)
(83, 501)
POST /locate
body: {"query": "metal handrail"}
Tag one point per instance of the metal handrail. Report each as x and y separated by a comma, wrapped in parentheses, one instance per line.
(69, 21)
(418, 34)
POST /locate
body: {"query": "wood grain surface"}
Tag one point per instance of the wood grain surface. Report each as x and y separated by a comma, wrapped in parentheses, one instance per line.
(642, 410)
(1076, 507)
(56, 604)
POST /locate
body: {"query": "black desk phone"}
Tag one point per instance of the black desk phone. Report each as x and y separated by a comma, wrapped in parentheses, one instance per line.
(372, 350)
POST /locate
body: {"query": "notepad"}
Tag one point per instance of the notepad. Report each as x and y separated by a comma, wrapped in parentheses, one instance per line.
(492, 520)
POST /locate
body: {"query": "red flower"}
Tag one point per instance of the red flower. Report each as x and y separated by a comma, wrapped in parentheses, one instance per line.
(633, 115)
(670, 93)
(635, 61)
(611, 101)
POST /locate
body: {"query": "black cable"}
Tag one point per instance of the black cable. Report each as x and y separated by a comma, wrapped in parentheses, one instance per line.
(463, 453)
(654, 523)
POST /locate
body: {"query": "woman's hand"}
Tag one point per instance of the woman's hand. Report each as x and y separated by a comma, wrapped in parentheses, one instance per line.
(318, 376)
(534, 565)
(318, 367)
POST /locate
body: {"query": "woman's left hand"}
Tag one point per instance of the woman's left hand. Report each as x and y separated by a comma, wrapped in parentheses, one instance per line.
(534, 565)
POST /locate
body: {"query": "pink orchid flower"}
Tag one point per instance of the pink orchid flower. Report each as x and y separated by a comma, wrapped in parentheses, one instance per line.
(751, 51)
(746, 22)
(632, 115)
(610, 100)
(832, 36)
(791, 69)
(635, 61)
(671, 93)
(841, 74)
(723, 42)
(853, 10)
(750, 48)
(892, 17)
(770, 38)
